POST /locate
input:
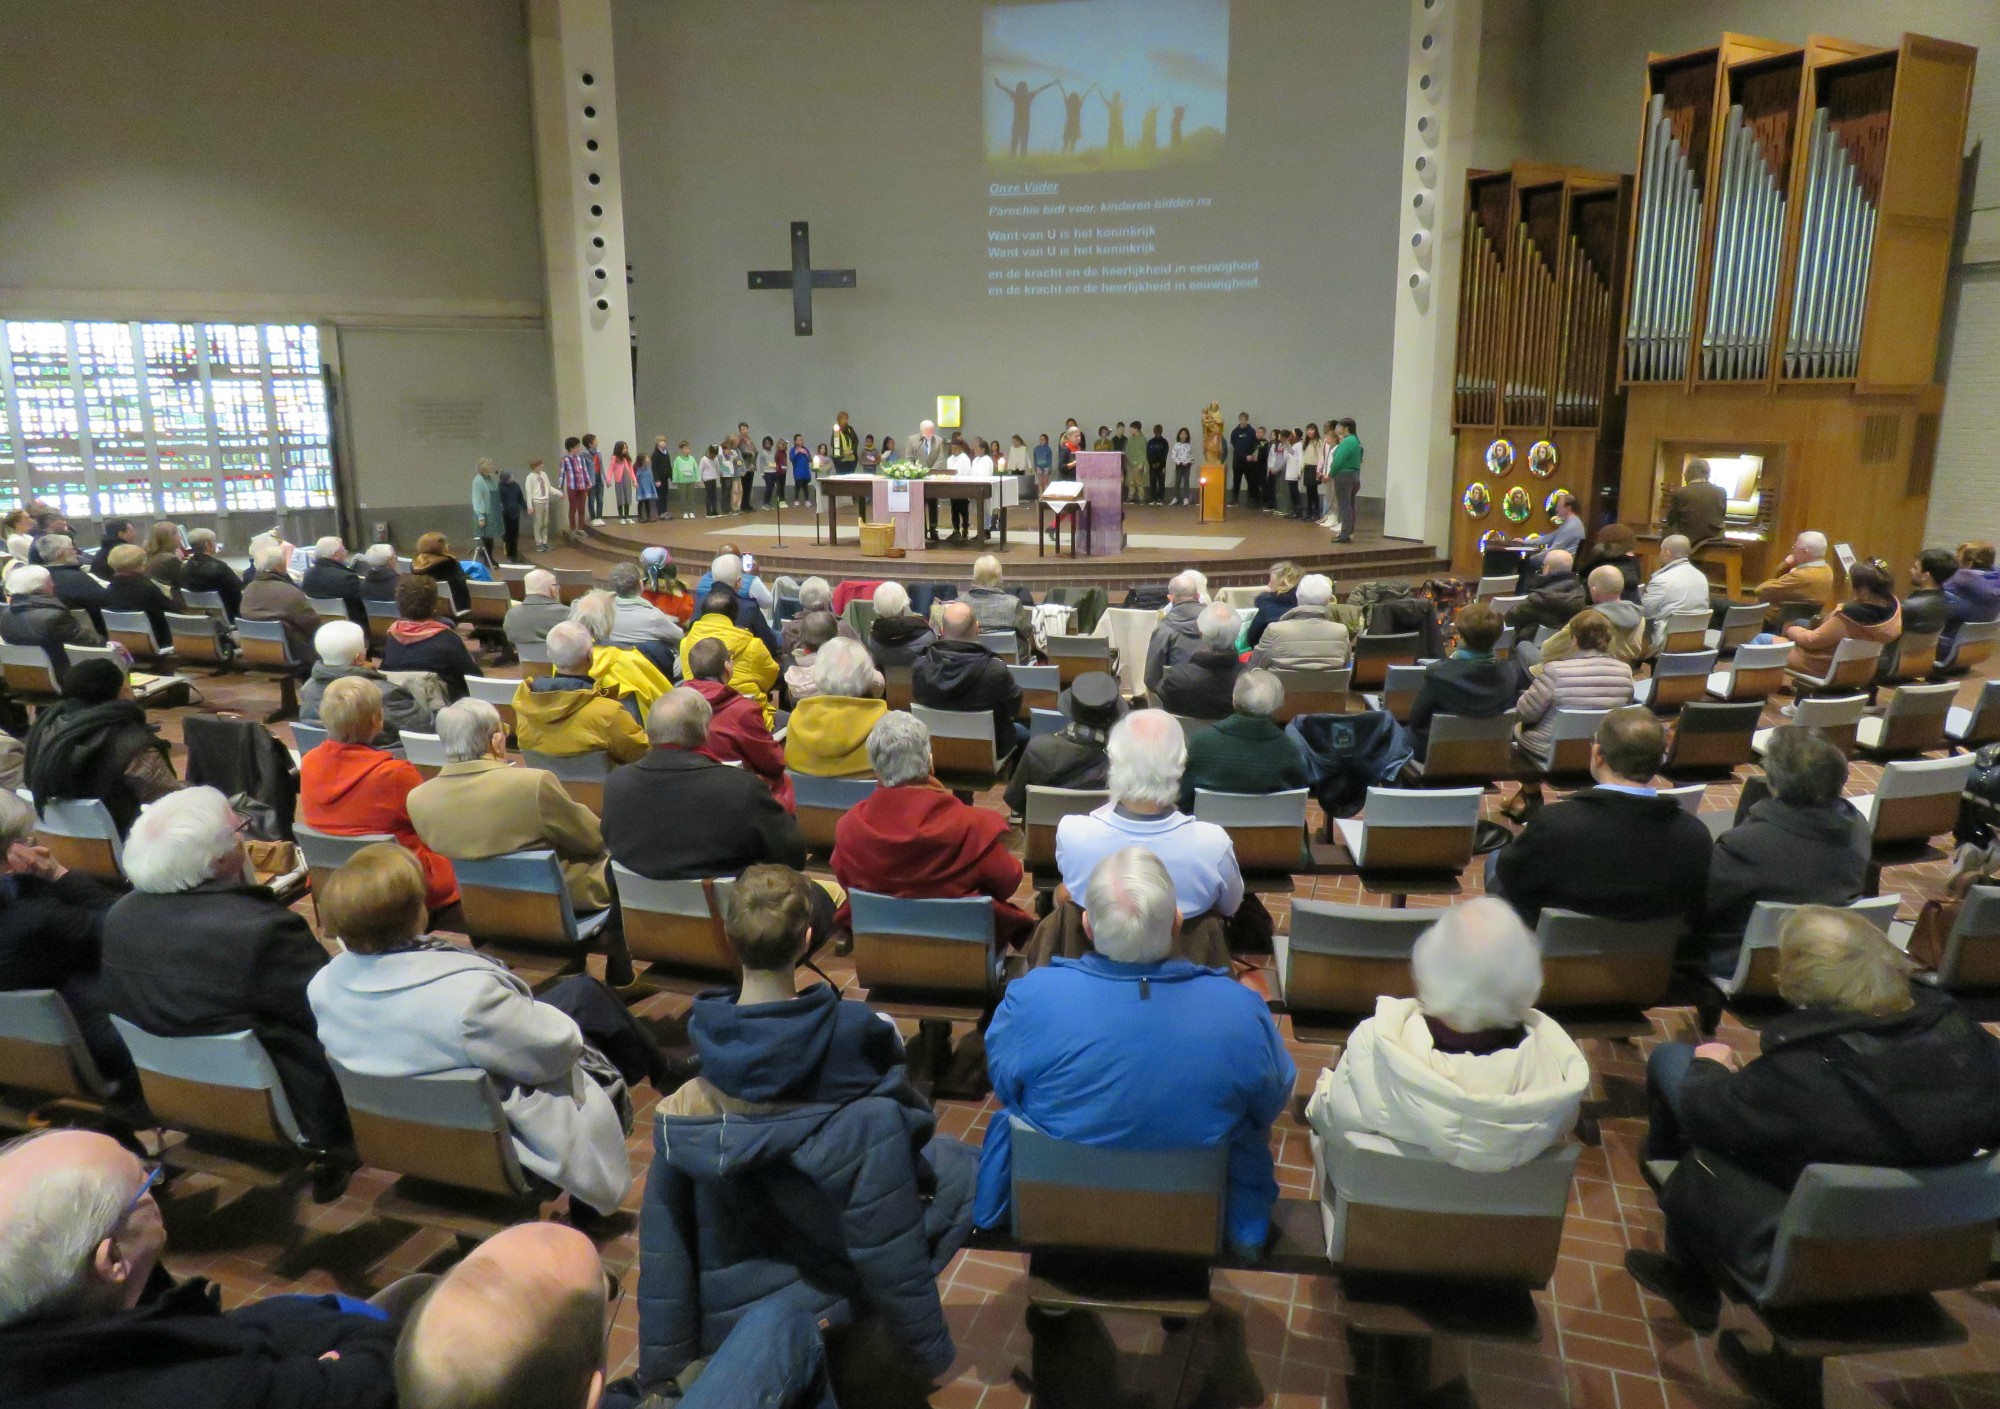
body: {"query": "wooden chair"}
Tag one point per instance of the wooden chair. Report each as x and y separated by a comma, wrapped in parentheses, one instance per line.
(1041, 687)
(1971, 950)
(1495, 587)
(1973, 645)
(306, 738)
(675, 928)
(931, 960)
(496, 691)
(134, 631)
(1685, 632)
(1853, 668)
(581, 774)
(209, 604)
(515, 577)
(326, 852)
(266, 650)
(1078, 655)
(534, 659)
(1741, 624)
(1970, 728)
(896, 686)
(572, 583)
(201, 638)
(330, 609)
(963, 752)
(1913, 723)
(820, 804)
(1268, 831)
(1467, 752)
(446, 1137)
(520, 900)
(1859, 1254)
(80, 834)
(424, 751)
(1004, 644)
(1399, 687)
(224, 1093)
(1312, 692)
(381, 616)
(1915, 799)
(1374, 655)
(1756, 971)
(1911, 656)
(1568, 762)
(490, 601)
(1504, 605)
(30, 673)
(1712, 738)
(1190, 726)
(44, 1060)
(1838, 718)
(1618, 968)
(1676, 681)
(1411, 838)
(1754, 673)
(1046, 721)
(1338, 959)
(1042, 814)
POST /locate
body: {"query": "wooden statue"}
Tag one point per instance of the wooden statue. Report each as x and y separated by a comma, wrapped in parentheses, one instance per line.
(1211, 433)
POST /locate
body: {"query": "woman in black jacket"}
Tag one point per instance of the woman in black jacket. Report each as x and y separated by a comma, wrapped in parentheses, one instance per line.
(1865, 1070)
(419, 641)
(91, 744)
(1616, 547)
(434, 559)
(130, 590)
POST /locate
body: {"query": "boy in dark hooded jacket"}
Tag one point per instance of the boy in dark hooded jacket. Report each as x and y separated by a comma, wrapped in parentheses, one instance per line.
(801, 1166)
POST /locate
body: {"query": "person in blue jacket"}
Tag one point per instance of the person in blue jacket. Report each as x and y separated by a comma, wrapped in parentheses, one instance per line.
(1131, 1049)
(800, 1167)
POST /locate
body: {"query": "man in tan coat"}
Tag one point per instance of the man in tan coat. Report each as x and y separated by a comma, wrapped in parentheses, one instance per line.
(1306, 637)
(1804, 576)
(481, 806)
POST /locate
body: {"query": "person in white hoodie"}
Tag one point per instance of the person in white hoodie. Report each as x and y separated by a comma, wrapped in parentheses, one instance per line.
(1466, 1071)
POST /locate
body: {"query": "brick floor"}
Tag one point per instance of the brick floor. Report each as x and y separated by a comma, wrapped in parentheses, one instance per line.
(1270, 1339)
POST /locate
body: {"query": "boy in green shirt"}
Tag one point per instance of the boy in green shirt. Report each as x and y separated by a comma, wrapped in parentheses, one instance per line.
(687, 471)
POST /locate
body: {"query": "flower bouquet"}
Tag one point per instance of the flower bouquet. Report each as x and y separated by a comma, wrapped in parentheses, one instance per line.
(903, 469)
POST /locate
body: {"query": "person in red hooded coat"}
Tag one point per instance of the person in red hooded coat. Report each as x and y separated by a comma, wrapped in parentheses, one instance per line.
(736, 731)
(912, 839)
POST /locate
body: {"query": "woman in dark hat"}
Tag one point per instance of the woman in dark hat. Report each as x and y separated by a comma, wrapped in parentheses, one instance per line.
(1073, 756)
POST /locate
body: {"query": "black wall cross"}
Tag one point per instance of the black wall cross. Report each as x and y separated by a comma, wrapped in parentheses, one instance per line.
(802, 279)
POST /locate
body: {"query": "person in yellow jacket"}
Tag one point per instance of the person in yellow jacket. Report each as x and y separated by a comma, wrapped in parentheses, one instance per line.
(566, 714)
(619, 671)
(753, 673)
(827, 735)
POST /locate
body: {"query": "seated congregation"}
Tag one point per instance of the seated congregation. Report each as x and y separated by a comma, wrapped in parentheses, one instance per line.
(814, 880)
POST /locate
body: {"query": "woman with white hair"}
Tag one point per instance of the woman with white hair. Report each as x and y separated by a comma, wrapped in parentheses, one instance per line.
(200, 948)
(1866, 1068)
(1305, 637)
(815, 594)
(827, 736)
(1203, 685)
(343, 655)
(897, 636)
(1467, 1070)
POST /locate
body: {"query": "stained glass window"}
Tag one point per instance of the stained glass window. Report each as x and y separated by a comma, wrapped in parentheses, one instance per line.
(135, 419)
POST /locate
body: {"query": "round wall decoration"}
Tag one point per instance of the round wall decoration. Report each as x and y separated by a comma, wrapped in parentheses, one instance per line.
(1478, 500)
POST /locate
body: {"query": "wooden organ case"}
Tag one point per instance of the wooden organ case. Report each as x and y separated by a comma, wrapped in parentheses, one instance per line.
(1535, 400)
(1785, 278)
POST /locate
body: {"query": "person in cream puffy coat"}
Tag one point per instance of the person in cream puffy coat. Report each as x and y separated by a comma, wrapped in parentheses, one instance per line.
(1467, 1071)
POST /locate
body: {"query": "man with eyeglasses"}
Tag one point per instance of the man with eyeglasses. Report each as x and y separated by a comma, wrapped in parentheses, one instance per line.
(89, 1317)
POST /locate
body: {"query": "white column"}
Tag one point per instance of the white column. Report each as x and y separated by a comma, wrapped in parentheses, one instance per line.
(583, 216)
(1439, 104)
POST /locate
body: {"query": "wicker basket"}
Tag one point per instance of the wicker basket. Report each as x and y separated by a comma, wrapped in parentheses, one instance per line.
(878, 540)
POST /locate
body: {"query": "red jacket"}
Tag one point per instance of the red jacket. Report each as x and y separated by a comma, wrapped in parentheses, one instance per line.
(736, 731)
(918, 842)
(352, 789)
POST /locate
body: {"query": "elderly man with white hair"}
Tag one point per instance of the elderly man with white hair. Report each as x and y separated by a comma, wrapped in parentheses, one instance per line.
(330, 578)
(898, 635)
(379, 572)
(88, 1316)
(1631, 639)
(1306, 637)
(204, 572)
(1178, 636)
(911, 838)
(1804, 575)
(1467, 1070)
(815, 595)
(927, 448)
(563, 715)
(1148, 754)
(480, 806)
(342, 648)
(1557, 595)
(1132, 1048)
(541, 607)
(35, 616)
(827, 736)
(200, 948)
(1201, 686)
(271, 596)
(1677, 585)
(1249, 752)
(73, 585)
(753, 598)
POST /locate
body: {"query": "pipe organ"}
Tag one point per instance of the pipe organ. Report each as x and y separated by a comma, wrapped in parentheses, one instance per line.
(1793, 231)
(1535, 400)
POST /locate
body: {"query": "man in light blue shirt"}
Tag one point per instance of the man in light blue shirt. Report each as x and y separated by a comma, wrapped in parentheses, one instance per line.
(1147, 754)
